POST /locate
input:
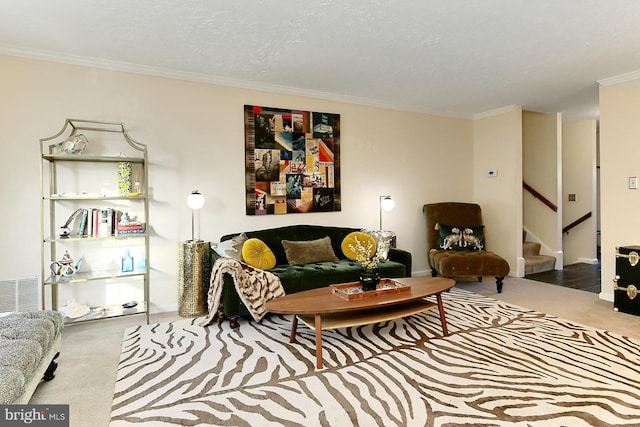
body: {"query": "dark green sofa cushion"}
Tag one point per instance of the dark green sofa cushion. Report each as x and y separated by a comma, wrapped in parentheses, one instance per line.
(296, 278)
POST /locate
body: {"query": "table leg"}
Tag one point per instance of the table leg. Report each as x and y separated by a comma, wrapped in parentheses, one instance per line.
(318, 323)
(445, 332)
(294, 327)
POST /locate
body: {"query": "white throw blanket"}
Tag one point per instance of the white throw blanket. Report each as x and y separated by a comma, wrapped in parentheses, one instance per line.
(254, 286)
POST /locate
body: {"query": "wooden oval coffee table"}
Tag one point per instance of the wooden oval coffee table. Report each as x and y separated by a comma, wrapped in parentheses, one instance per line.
(321, 310)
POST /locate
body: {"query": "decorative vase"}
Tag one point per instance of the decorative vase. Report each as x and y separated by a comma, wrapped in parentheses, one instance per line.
(124, 178)
(369, 280)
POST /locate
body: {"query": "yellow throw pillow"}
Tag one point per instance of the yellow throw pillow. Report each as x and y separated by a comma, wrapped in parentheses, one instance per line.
(257, 254)
(356, 240)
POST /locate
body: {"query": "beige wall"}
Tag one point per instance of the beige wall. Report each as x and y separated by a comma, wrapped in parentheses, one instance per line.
(195, 134)
(579, 178)
(497, 144)
(619, 159)
(542, 145)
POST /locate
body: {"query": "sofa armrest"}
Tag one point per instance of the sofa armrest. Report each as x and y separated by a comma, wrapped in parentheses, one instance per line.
(231, 303)
(403, 257)
(214, 256)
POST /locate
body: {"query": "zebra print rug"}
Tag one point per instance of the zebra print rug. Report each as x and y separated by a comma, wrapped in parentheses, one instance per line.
(501, 365)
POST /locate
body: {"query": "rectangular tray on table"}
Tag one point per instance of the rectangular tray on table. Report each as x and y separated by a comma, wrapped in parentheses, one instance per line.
(353, 290)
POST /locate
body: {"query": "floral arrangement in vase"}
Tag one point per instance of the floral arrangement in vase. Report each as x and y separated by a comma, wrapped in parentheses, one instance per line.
(366, 254)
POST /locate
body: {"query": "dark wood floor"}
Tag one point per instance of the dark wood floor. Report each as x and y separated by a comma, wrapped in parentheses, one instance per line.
(585, 277)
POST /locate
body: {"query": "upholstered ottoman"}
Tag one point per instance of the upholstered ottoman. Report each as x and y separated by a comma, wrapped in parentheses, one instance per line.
(29, 345)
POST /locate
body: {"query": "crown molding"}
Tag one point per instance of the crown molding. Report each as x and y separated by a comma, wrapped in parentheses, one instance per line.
(84, 61)
(620, 78)
(496, 112)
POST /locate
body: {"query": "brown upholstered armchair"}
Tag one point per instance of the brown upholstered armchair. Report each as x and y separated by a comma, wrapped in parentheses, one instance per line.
(456, 245)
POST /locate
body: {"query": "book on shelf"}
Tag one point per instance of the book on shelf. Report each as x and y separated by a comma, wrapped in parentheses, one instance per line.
(105, 222)
(88, 230)
(132, 228)
(94, 230)
(83, 223)
(113, 221)
(129, 232)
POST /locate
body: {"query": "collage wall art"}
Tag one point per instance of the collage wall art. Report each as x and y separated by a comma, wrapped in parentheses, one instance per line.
(292, 161)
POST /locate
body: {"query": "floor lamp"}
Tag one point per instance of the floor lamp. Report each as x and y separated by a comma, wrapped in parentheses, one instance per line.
(386, 204)
(385, 239)
(194, 266)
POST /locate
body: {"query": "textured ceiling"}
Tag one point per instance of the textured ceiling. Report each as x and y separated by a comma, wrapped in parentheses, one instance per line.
(455, 58)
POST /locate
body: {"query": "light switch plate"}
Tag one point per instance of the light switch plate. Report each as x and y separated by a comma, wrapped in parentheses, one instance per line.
(633, 182)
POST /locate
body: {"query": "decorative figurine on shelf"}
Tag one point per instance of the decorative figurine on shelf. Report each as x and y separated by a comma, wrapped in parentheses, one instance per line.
(65, 267)
(75, 144)
(65, 231)
(124, 219)
(73, 309)
(127, 262)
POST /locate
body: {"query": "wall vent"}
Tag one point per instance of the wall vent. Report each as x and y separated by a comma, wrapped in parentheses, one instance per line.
(19, 294)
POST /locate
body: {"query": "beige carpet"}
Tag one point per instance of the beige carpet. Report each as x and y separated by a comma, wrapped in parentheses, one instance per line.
(86, 375)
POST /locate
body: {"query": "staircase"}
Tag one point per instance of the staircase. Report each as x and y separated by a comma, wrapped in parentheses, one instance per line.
(533, 261)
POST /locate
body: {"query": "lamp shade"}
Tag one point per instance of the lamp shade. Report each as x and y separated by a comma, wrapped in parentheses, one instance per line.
(195, 200)
(387, 203)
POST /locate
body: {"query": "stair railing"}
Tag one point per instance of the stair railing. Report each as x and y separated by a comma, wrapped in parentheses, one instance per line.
(539, 196)
(578, 221)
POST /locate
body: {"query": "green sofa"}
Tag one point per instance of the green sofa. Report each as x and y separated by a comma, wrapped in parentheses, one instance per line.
(296, 278)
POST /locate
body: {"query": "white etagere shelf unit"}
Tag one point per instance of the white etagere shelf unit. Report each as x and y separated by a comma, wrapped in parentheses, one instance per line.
(90, 179)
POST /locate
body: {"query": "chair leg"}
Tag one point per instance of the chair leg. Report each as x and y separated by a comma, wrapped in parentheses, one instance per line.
(499, 280)
(434, 273)
(479, 278)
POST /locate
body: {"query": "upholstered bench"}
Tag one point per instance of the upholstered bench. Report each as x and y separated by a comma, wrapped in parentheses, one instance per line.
(29, 344)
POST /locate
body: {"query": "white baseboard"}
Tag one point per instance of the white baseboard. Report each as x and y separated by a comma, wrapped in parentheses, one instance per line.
(520, 268)
(163, 308)
(605, 296)
(588, 260)
(421, 273)
(559, 260)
